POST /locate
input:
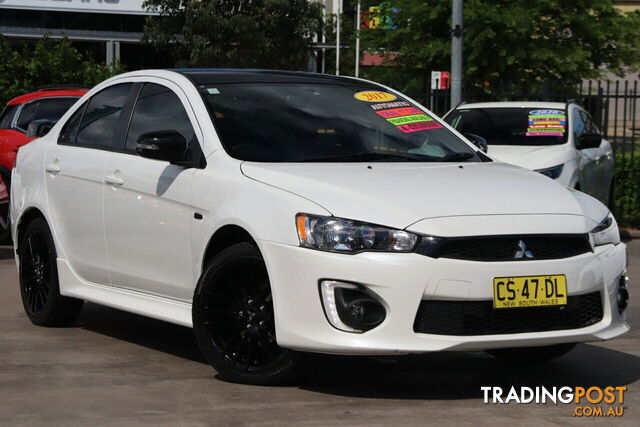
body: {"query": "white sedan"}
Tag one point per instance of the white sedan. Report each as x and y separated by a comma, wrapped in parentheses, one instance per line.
(278, 213)
(556, 139)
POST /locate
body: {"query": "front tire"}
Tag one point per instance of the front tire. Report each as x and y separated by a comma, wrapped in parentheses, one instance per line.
(39, 286)
(532, 355)
(233, 319)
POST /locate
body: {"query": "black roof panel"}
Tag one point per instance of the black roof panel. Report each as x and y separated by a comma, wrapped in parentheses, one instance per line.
(206, 76)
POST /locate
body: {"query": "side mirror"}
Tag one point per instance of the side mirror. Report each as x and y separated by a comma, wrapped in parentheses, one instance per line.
(167, 145)
(589, 140)
(39, 128)
(477, 140)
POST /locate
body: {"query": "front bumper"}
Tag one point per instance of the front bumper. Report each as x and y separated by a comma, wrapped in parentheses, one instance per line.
(401, 281)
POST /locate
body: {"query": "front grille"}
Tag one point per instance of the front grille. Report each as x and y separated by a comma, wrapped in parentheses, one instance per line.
(480, 318)
(507, 248)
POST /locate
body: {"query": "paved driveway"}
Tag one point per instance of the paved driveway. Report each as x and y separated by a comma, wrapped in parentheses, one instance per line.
(119, 368)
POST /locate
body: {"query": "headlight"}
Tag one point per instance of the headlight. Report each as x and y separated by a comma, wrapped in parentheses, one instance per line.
(333, 234)
(606, 232)
(553, 172)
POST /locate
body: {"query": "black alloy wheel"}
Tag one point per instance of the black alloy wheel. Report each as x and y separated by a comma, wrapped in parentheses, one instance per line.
(233, 319)
(39, 285)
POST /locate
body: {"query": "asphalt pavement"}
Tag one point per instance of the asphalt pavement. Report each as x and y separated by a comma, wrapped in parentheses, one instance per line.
(117, 368)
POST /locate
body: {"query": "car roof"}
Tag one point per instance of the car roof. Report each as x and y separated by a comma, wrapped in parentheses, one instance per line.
(205, 76)
(513, 104)
(48, 93)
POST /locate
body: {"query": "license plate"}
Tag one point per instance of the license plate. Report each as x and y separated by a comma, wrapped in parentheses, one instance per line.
(529, 291)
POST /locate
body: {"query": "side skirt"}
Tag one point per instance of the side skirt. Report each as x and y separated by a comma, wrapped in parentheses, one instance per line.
(134, 302)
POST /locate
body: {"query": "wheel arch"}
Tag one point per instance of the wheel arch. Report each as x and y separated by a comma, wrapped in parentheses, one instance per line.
(27, 216)
(223, 238)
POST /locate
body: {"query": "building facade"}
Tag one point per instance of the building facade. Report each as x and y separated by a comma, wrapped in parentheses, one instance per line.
(107, 29)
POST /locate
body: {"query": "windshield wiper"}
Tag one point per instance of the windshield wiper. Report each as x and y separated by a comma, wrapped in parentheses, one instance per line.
(365, 156)
(456, 157)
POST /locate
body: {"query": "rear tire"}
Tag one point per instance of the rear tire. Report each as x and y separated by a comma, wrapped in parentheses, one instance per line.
(5, 218)
(535, 355)
(233, 319)
(39, 286)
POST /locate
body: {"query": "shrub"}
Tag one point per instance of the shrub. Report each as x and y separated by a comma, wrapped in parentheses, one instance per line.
(627, 188)
(47, 62)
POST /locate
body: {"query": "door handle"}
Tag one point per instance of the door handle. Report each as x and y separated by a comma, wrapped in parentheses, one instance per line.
(53, 168)
(114, 180)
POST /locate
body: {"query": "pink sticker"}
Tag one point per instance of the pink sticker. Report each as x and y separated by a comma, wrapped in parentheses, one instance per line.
(551, 125)
(397, 112)
(546, 119)
(415, 127)
(545, 134)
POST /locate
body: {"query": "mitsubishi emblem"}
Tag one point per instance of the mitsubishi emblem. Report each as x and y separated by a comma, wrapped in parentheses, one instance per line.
(522, 251)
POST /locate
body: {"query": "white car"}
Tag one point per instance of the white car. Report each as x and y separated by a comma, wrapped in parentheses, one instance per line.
(278, 213)
(558, 140)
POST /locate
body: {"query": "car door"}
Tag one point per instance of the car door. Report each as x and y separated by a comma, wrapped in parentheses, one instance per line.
(586, 157)
(147, 212)
(75, 170)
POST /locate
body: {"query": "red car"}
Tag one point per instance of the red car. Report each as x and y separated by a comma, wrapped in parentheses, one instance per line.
(47, 103)
(4, 204)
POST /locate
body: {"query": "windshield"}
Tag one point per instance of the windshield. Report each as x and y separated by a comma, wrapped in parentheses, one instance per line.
(512, 126)
(316, 122)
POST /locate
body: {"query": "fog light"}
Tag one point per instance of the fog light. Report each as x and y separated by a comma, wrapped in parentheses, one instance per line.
(623, 292)
(350, 307)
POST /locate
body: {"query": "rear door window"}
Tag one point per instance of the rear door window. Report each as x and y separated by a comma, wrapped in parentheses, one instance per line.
(70, 129)
(100, 120)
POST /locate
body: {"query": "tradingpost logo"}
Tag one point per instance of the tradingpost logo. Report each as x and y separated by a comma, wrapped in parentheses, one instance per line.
(588, 401)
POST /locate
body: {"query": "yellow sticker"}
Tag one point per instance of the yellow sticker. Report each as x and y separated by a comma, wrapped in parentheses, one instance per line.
(374, 96)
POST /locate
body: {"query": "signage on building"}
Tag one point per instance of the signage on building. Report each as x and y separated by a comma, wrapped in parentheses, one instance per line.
(378, 17)
(95, 6)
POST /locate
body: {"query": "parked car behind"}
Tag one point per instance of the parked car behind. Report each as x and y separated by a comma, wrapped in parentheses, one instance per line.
(46, 104)
(4, 203)
(283, 212)
(558, 140)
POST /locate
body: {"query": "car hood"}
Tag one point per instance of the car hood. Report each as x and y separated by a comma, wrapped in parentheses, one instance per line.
(400, 194)
(531, 157)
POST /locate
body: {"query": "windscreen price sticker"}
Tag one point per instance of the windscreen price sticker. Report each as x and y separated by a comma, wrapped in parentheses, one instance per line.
(589, 401)
(546, 123)
(405, 117)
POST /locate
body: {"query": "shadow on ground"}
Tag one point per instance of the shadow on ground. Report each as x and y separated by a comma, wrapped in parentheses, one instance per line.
(451, 375)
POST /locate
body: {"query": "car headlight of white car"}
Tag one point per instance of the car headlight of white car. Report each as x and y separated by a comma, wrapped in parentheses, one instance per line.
(606, 232)
(333, 234)
(553, 172)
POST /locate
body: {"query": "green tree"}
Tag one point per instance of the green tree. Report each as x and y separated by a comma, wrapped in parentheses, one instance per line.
(47, 62)
(235, 33)
(509, 45)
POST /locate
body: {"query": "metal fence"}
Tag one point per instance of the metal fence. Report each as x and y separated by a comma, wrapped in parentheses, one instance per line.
(615, 107)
